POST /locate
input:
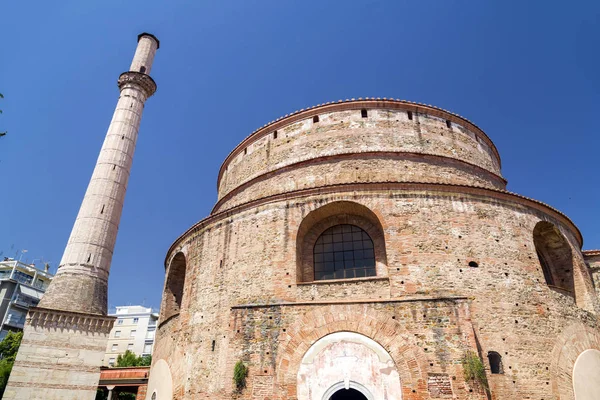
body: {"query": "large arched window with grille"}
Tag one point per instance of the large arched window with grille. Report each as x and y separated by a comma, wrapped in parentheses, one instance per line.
(344, 251)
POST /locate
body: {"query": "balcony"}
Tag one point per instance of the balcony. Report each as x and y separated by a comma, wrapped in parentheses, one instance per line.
(15, 321)
(25, 302)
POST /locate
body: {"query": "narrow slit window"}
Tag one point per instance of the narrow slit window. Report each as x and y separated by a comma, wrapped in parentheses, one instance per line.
(363, 113)
(409, 113)
(495, 360)
(316, 119)
(213, 345)
(246, 150)
(89, 258)
(275, 135)
(102, 211)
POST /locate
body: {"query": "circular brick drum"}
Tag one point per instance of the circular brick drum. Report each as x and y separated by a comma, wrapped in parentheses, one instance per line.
(368, 248)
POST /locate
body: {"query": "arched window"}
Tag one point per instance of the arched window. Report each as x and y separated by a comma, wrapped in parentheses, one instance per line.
(555, 257)
(344, 251)
(495, 360)
(174, 287)
(143, 69)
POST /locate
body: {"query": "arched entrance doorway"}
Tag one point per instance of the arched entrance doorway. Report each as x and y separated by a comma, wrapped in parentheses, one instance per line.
(348, 365)
(350, 394)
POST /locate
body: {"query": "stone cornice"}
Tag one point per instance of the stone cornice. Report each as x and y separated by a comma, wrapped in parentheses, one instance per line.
(353, 104)
(343, 156)
(415, 299)
(48, 318)
(143, 81)
(385, 186)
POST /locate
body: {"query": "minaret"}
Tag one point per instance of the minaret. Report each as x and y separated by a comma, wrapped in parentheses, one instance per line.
(65, 337)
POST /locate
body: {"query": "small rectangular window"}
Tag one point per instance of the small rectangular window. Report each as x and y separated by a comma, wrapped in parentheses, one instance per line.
(132, 333)
(114, 347)
(117, 333)
(409, 115)
(136, 320)
(363, 113)
(448, 123)
(213, 345)
(316, 119)
(119, 322)
(275, 135)
(111, 362)
(130, 346)
(245, 150)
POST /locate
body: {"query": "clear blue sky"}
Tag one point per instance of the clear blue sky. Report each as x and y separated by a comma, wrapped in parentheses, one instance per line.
(524, 71)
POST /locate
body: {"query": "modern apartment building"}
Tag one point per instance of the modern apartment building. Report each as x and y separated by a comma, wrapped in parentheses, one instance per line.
(133, 330)
(21, 286)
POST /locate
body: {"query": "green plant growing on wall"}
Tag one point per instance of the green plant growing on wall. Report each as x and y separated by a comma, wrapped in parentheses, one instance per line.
(474, 369)
(240, 371)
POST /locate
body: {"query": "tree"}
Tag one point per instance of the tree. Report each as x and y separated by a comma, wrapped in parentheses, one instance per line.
(9, 347)
(129, 359)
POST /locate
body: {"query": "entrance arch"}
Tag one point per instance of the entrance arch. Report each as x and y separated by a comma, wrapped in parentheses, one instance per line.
(347, 394)
(345, 364)
(585, 375)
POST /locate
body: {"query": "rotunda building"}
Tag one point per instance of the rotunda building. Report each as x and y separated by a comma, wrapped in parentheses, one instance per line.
(368, 249)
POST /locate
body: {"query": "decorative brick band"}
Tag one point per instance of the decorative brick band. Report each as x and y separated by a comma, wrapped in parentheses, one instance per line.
(342, 156)
(51, 386)
(451, 299)
(145, 82)
(58, 367)
(47, 318)
(384, 186)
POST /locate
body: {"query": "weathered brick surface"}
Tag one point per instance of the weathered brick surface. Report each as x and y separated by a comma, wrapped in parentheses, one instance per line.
(60, 356)
(249, 296)
(386, 146)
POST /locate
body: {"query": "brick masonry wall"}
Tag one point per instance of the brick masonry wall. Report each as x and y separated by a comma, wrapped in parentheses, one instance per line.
(346, 132)
(250, 258)
(592, 258)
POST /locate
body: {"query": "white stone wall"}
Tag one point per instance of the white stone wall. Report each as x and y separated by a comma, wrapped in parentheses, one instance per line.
(144, 55)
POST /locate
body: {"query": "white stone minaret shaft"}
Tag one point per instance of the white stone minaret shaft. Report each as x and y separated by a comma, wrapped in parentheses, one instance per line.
(65, 337)
(80, 284)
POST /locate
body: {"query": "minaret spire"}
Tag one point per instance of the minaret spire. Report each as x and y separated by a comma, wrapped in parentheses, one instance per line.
(80, 284)
(69, 329)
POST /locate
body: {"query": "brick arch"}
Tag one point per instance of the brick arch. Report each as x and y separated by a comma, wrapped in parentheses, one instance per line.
(331, 214)
(563, 265)
(409, 360)
(174, 287)
(573, 341)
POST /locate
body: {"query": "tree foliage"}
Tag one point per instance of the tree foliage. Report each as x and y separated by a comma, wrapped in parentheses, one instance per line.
(129, 359)
(9, 347)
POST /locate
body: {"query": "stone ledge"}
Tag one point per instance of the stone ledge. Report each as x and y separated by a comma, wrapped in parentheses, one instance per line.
(345, 280)
(342, 302)
(49, 318)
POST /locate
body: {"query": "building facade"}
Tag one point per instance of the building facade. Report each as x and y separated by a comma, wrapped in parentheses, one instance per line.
(134, 330)
(364, 249)
(21, 287)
